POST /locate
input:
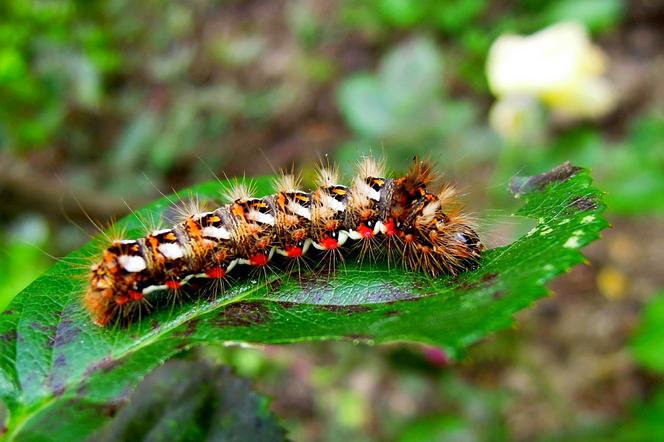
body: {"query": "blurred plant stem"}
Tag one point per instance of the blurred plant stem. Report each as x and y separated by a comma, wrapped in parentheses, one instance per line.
(55, 197)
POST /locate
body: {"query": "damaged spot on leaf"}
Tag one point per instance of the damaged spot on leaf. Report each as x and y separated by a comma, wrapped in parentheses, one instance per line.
(243, 314)
(584, 203)
(522, 185)
(105, 365)
(347, 309)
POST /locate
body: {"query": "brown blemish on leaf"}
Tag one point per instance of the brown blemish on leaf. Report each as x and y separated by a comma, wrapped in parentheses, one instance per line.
(60, 361)
(191, 328)
(346, 309)
(104, 365)
(411, 298)
(108, 410)
(42, 327)
(311, 281)
(66, 332)
(489, 277)
(521, 185)
(8, 336)
(58, 390)
(274, 285)
(359, 337)
(485, 280)
(243, 314)
(391, 313)
(56, 383)
(288, 305)
(584, 203)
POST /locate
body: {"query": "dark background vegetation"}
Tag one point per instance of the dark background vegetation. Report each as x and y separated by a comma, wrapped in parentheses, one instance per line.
(103, 104)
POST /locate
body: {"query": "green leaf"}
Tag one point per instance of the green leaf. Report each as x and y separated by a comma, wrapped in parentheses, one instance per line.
(58, 367)
(188, 400)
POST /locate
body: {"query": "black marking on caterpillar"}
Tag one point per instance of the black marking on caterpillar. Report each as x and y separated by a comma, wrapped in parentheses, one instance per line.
(396, 217)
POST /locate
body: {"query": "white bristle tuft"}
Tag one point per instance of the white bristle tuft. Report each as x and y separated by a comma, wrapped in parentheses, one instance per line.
(370, 167)
(287, 182)
(237, 191)
(327, 176)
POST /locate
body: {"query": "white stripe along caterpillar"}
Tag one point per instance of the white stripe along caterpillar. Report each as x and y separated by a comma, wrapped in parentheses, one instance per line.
(421, 230)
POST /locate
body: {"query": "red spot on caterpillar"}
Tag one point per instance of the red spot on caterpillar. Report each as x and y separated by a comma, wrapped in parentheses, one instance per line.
(121, 300)
(215, 272)
(294, 252)
(258, 260)
(173, 285)
(329, 243)
(365, 231)
(135, 295)
(390, 229)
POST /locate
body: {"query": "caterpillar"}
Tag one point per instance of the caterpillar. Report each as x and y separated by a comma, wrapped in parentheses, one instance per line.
(394, 217)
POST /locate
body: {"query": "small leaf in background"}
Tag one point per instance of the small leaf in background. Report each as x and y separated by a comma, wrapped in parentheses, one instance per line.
(364, 106)
(438, 428)
(647, 342)
(645, 422)
(60, 368)
(403, 100)
(597, 15)
(412, 72)
(456, 16)
(12, 65)
(402, 13)
(21, 259)
(187, 400)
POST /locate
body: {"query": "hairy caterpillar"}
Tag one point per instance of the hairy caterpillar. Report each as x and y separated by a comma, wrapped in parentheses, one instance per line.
(421, 230)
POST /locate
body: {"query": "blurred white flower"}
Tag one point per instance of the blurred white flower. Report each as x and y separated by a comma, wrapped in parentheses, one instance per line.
(517, 118)
(558, 65)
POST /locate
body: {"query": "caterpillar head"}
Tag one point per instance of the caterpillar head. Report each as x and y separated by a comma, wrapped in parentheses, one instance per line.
(116, 280)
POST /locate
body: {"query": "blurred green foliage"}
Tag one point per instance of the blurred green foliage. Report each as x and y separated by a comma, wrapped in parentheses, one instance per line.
(647, 342)
(406, 103)
(52, 58)
(21, 258)
(645, 419)
(458, 16)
